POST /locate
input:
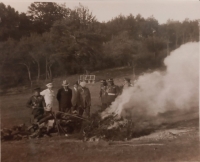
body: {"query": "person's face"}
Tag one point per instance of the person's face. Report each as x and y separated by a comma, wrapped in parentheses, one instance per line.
(36, 93)
(50, 88)
(65, 87)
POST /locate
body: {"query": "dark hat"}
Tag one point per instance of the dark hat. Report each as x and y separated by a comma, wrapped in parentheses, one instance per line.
(110, 80)
(127, 79)
(103, 81)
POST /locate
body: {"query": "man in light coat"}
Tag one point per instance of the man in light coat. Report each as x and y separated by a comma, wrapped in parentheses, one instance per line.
(48, 95)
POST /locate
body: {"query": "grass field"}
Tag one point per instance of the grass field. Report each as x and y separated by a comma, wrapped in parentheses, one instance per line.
(175, 146)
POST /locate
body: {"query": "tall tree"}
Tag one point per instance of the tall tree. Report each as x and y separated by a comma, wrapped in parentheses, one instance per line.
(44, 14)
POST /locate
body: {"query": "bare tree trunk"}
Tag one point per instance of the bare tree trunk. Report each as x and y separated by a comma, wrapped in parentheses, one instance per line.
(50, 72)
(38, 65)
(46, 69)
(29, 74)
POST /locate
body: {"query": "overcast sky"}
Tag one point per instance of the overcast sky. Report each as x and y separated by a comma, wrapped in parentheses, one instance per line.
(105, 10)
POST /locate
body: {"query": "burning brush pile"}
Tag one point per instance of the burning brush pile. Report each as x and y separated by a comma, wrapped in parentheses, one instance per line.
(137, 110)
(114, 128)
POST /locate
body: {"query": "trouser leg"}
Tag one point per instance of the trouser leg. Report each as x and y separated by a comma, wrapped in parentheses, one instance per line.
(87, 110)
(81, 110)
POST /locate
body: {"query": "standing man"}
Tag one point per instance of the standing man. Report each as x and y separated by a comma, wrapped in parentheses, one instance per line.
(64, 97)
(103, 94)
(75, 98)
(127, 83)
(85, 99)
(112, 91)
(37, 104)
(48, 95)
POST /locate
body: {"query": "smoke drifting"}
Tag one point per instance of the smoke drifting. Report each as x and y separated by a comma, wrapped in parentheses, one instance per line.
(159, 92)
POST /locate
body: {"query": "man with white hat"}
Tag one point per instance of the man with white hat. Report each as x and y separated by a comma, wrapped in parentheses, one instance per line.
(85, 99)
(48, 96)
(64, 97)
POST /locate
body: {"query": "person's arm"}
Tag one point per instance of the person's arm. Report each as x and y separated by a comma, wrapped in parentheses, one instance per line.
(70, 94)
(89, 97)
(29, 103)
(43, 102)
(58, 95)
(100, 94)
(42, 93)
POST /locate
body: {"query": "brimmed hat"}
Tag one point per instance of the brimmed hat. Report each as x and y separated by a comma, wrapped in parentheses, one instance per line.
(110, 80)
(49, 85)
(83, 84)
(65, 83)
(127, 79)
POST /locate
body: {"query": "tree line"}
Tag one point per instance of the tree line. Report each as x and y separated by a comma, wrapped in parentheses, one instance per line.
(51, 40)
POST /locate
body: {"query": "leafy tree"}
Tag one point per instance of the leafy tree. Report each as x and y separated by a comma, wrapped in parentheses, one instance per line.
(44, 14)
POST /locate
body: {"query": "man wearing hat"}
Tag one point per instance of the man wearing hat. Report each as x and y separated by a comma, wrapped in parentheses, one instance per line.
(64, 97)
(37, 104)
(103, 94)
(112, 91)
(127, 83)
(85, 99)
(75, 97)
(48, 95)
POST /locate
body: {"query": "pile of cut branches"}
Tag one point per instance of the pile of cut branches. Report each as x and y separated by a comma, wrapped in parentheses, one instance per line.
(115, 128)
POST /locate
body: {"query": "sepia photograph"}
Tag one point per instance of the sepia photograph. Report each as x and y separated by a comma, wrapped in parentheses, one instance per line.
(99, 80)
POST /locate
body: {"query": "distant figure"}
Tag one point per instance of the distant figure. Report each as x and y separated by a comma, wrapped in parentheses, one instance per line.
(48, 96)
(64, 97)
(103, 94)
(75, 98)
(112, 91)
(85, 99)
(127, 83)
(37, 104)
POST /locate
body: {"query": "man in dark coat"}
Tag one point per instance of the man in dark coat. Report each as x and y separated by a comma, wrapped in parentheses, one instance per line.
(75, 98)
(37, 104)
(64, 97)
(103, 94)
(85, 99)
(113, 92)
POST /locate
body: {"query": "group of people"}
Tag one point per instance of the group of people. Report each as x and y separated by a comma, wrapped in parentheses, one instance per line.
(109, 91)
(76, 100)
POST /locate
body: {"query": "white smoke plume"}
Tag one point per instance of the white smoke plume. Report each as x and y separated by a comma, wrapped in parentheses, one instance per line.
(158, 92)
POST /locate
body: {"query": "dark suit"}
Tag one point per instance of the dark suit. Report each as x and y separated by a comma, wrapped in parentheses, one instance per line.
(85, 101)
(37, 104)
(64, 99)
(103, 95)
